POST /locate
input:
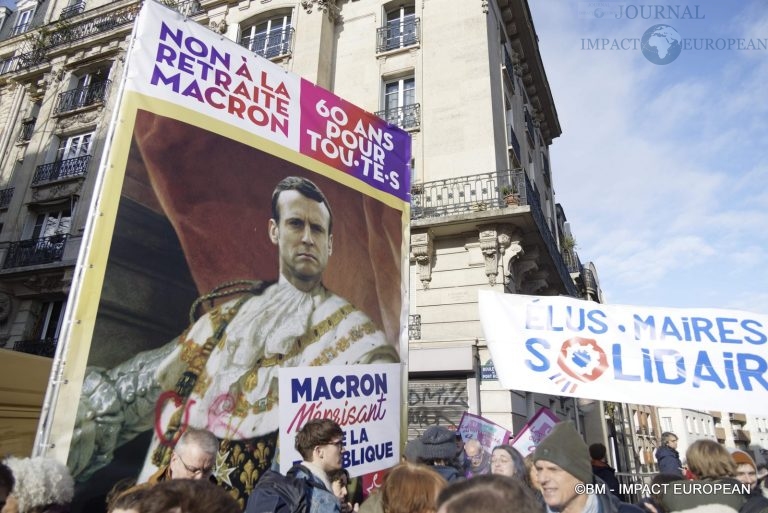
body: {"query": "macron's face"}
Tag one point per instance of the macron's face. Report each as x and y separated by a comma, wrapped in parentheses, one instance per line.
(303, 239)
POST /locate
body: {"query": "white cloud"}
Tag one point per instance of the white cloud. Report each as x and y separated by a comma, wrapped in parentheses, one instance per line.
(661, 169)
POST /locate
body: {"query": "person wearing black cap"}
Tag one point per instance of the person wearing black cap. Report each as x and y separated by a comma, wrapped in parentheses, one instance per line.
(564, 468)
(437, 447)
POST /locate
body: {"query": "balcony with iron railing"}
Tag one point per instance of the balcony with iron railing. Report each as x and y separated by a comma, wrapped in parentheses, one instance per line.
(72, 9)
(82, 97)
(406, 117)
(45, 347)
(74, 32)
(44, 250)
(414, 327)
(396, 35)
(5, 196)
(271, 44)
(572, 262)
(27, 127)
(483, 191)
(61, 169)
(185, 8)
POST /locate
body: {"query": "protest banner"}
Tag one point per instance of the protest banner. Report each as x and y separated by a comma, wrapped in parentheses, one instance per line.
(203, 132)
(534, 431)
(705, 359)
(363, 399)
(488, 433)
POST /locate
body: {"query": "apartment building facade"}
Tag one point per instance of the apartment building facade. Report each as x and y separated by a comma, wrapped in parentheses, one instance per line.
(465, 79)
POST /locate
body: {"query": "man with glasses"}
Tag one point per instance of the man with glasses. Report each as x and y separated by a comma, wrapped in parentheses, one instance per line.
(193, 457)
(667, 456)
(321, 445)
(479, 460)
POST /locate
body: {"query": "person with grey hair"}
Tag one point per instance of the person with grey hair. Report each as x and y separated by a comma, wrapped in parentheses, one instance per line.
(43, 485)
(221, 374)
(192, 458)
(667, 456)
(564, 470)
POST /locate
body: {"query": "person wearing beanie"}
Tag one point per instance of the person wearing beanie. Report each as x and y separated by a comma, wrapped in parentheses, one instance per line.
(746, 473)
(436, 447)
(563, 466)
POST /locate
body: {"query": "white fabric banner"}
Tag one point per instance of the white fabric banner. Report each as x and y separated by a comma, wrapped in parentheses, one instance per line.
(703, 359)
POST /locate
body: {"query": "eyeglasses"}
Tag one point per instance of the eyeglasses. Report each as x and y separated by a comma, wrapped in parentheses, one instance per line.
(339, 444)
(205, 471)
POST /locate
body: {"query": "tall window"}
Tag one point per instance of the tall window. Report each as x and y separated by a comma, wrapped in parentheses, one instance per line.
(75, 146)
(52, 222)
(270, 38)
(23, 21)
(48, 324)
(6, 64)
(400, 107)
(401, 28)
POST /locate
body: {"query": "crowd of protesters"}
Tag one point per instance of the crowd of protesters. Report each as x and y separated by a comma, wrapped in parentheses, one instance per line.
(440, 473)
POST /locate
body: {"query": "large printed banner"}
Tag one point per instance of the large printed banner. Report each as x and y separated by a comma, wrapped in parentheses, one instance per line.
(183, 64)
(244, 222)
(702, 359)
(364, 400)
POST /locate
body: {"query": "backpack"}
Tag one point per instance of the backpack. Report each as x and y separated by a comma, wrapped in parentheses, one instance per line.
(276, 493)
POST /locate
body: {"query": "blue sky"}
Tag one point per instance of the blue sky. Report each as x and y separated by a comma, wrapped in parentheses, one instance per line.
(662, 170)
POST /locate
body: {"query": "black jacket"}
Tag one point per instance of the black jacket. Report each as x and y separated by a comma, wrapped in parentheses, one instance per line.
(608, 474)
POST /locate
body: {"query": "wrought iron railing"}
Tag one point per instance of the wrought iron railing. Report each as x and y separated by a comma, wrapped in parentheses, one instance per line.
(73, 32)
(72, 10)
(187, 7)
(635, 486)
(399, 34)
(87, 28)
(572, 261)
(466, 194)
(484, 191)
(590, 284)
(21, 28)
(27, 127)
(82, 96)
(408, 116)
(414, 327)
(61, 169)
(35, 251)
(45, 347)
(273, 43)
(28, 59)
(5, 197)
